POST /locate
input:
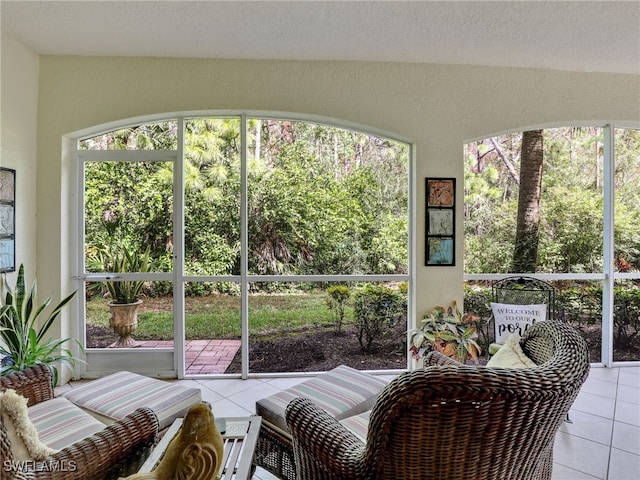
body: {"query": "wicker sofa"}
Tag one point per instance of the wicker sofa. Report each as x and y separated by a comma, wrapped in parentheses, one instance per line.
(104, 452)
(451, 421)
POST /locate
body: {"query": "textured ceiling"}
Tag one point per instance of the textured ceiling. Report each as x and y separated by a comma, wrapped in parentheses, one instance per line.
(574, 35)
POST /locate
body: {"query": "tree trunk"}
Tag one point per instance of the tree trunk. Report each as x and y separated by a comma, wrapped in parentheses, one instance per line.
(525, 256)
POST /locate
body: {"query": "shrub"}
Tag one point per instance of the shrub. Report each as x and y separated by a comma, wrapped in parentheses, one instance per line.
(477, 299)
(626, 315)
(375, 307)
(336, 299)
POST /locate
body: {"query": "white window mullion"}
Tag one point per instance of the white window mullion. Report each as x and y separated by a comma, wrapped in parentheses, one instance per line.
(244, 242)
(179, 319)
(77, 166)
(608, 247)
(412, 319)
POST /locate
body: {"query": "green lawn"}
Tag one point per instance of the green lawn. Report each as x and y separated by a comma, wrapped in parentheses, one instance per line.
(218, 316)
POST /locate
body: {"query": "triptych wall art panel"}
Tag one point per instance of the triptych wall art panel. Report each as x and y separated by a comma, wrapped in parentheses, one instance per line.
(7, 220)
(440, 222)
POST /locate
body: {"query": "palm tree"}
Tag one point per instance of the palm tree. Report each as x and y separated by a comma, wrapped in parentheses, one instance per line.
(525, 255)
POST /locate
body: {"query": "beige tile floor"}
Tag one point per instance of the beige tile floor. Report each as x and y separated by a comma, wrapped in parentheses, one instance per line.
(603, 442)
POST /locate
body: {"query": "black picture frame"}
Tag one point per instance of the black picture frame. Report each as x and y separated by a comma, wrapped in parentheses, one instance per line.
(440, 221)
(7, 220)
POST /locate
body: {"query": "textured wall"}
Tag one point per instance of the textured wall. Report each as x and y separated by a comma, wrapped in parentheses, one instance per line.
(438, 107)
(18, 124)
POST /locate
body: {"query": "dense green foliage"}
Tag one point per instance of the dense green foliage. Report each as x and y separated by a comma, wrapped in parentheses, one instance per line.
(321, 200)
(571, 205)
(626, 318)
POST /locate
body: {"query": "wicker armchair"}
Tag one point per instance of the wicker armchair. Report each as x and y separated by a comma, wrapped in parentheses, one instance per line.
(118, 450)
(452, 421)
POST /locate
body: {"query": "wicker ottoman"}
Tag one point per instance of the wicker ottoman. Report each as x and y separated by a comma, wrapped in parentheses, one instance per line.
(342, 392)
(115, 396)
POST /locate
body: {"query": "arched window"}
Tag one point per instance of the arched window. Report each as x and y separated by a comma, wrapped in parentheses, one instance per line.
(257, 244)
(586, 230)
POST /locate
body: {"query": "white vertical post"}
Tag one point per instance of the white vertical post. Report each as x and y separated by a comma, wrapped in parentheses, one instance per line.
(244, 242)
(179, 318)
(608, 247)
(412, 321)
(78, 268)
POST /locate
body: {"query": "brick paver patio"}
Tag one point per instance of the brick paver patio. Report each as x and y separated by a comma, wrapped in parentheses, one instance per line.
(202, 356)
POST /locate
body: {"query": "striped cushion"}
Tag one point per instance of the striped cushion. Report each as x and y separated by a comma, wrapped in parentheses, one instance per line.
(119, 394)
(358, 424)
(60, 423)
(341, 392)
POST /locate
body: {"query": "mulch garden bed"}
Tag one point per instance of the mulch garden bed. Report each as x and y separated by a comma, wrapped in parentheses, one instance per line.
(316, 349)
(312, 349)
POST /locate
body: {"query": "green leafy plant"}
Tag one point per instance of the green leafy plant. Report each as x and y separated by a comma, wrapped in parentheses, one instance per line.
(336, 299)
(24, 345)
(447, 331)
(375, 307)
(119, 259)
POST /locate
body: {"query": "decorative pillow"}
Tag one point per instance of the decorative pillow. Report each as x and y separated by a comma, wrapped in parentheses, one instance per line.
(511, 355)
(516, 319)
(25, 444)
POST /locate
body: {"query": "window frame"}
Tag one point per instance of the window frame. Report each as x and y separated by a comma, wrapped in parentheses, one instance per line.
(104, 358)
(609, 275)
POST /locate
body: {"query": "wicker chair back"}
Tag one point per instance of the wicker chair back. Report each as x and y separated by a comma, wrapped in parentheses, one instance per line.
(453, 421)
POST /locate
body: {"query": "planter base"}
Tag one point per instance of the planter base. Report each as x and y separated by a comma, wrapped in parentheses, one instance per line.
(125, 342)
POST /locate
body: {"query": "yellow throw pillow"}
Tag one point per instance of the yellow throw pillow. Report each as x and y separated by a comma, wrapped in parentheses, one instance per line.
(25, 444)
(511, 355)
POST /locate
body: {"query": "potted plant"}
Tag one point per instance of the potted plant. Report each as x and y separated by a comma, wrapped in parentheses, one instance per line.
(125, 294)
(449, 332)
(22, 344)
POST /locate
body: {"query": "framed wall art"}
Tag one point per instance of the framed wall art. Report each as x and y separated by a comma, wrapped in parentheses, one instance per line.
(440, 222)
(7, 220)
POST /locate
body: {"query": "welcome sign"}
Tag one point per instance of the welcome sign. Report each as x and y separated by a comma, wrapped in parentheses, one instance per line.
(515, 319)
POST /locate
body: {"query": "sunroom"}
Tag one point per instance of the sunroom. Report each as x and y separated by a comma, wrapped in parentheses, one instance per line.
(419, 106)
